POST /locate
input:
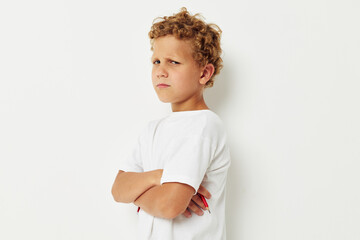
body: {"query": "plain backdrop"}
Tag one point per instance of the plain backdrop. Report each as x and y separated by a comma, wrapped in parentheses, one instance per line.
(75, 91)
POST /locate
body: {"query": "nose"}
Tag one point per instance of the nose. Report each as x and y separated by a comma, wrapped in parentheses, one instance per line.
(161, 72)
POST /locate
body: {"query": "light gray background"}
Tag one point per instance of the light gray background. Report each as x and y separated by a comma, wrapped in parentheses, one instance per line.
(76, 90)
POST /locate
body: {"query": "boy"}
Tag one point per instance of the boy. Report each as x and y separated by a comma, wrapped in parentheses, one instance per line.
(185, 153)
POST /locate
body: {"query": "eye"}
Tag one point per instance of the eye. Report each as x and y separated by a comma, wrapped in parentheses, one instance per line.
(174, 62)
(155, 61)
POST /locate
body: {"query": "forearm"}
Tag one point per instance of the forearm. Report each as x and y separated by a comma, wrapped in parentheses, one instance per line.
(151, 201)
(130, 185)
(164, 201)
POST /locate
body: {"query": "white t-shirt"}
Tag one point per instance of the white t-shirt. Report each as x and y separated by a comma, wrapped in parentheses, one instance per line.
(191, 148)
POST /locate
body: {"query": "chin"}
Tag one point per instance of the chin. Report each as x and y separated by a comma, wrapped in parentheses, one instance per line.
(165, 100)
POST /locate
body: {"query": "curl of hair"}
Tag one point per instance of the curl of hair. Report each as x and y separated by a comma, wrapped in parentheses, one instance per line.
(204, 38)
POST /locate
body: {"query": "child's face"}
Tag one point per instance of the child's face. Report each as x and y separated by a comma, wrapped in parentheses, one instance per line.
(174, 65)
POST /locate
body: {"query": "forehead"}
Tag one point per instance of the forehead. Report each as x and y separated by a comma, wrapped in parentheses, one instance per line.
(172, 47)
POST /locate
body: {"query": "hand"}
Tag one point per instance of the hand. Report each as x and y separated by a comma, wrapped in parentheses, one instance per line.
(196, 205)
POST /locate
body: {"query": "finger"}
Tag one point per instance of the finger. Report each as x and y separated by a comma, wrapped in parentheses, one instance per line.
(197, 199)
(203, 191)
(196, 209)
(187, 213)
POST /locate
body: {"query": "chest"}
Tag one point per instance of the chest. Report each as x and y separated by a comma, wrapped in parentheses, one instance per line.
(157, 150)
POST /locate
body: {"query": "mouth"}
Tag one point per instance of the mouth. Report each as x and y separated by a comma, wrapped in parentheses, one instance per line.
(163, 85)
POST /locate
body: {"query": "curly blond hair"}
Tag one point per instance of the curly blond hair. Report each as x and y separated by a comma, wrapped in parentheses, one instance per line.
(204, 38)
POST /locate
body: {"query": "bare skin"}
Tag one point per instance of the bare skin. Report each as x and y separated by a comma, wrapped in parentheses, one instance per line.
(132, 187)
(174, 65)
(196, 205)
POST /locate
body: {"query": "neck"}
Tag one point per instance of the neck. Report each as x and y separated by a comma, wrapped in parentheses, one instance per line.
(189, 106)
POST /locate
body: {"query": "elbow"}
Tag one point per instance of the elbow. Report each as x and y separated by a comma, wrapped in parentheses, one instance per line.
(170, 214)
(171, 210)
(171, 204)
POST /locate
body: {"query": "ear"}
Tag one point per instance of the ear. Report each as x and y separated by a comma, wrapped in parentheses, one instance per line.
(206, 74)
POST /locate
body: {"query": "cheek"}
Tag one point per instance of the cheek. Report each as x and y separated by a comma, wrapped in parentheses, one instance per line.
(188, 78)
(186, 84)
(153, 76)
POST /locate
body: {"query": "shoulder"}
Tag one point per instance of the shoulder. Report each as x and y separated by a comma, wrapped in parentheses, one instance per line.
(149, 128)
(214, 122)
(205, 123)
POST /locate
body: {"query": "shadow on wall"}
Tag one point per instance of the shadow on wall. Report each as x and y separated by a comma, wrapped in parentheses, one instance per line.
(218, 97)
(221, 98)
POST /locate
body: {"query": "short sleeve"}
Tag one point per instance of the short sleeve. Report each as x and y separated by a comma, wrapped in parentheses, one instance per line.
(188, 159)
(133, 162)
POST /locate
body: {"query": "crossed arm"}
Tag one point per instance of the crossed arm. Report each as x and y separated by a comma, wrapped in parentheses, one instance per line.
(166, 201)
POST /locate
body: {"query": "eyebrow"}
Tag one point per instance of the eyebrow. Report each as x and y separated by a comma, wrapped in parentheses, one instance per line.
(166, 58)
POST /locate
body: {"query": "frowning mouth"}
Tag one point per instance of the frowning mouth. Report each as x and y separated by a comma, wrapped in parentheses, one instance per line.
(163, 85)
